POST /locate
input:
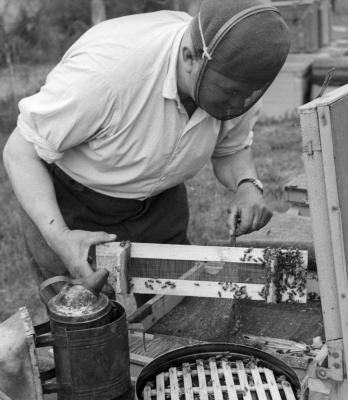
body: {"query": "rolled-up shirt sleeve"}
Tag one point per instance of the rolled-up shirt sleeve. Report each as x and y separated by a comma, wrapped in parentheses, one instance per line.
(236, 134)
(73, 106)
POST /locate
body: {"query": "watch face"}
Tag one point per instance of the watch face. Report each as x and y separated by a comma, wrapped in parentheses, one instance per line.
(258, 184)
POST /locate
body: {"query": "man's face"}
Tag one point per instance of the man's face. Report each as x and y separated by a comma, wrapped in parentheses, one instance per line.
(225, 98)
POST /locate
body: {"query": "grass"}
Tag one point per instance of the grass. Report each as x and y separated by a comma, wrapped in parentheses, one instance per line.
(277, 152)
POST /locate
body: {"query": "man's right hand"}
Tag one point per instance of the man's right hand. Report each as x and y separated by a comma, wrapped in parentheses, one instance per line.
(72, 247)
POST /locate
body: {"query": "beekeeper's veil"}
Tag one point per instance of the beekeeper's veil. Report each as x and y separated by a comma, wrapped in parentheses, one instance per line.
(243, 45)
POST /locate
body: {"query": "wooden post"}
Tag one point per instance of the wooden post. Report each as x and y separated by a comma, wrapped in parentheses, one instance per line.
(115, 260)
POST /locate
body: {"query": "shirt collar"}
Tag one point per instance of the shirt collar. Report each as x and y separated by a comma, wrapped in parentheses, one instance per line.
(170, 87)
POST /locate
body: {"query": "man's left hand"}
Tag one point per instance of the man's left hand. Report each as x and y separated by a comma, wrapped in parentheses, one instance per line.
(248, 212)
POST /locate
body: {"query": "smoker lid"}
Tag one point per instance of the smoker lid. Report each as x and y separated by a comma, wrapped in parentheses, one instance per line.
(77, 301)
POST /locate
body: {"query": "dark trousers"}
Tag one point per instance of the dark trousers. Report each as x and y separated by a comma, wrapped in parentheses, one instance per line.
(159, 219)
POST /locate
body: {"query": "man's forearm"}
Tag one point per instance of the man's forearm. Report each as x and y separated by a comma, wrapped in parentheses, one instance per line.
(230, 170)
(33, 186)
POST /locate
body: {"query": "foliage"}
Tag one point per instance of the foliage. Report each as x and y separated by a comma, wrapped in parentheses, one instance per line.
(46, 35)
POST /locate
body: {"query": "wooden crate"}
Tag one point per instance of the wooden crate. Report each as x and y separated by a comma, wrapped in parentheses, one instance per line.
(290, 89)
(302, 17)
(297, 196)
(325, 22)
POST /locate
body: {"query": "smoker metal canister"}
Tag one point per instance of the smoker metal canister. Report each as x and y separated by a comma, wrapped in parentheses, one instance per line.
(90, 342)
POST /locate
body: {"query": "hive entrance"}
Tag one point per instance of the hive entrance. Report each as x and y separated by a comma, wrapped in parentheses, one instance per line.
(219, 379)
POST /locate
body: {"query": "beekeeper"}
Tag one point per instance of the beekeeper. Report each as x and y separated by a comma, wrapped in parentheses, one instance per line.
(136, 106)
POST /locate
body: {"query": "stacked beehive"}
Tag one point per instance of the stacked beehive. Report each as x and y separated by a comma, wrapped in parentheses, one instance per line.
(309, 22)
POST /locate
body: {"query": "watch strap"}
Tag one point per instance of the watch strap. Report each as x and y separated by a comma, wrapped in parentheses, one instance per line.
(254, 181)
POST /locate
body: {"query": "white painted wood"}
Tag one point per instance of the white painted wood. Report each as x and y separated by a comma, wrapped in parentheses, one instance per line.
(272, 295)
(215, 380)
(272, 384)
(147, 392)
(105, 258)
(203, 393)
(174, 385)
(335, 220)
(289, 394)
(185, 252)
(243, 381)
(186, 371)
(324, 219)
(320, 219)
(190, 288)
(160, 387)
(231, 389)
(258, 383)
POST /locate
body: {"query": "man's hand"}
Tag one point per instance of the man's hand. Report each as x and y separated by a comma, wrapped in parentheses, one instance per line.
(72, 247)
(248, 212)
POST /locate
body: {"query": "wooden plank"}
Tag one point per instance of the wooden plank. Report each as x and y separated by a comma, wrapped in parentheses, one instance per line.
(215, 380)
(203, 393)
(174, 385)
(197, 288)
(243, 381)
(272, 295)
(147, 392)
(272, 384)
(319, 130)
(160, 387)
(289, 394)
(183, 252)
(338, 214)
(116, 264)
(139, 359)
(293, 353)
(313, 162)
(261, 394)
(186, 371)
(231, 389)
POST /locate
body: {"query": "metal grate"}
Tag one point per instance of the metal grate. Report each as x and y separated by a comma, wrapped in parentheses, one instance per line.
(214, 379)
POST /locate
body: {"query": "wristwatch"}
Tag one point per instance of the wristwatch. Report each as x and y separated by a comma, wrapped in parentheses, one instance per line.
(256, 182)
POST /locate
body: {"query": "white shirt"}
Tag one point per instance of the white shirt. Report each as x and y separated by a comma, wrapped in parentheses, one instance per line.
(109, 114)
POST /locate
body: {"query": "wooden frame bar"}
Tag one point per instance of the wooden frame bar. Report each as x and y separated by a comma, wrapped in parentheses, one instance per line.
(110, 254)
(179, 287)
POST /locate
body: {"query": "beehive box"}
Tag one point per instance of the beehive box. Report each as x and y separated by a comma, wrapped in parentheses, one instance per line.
(290, 89)
(321, 66)
(302, 17)
(325, 22)
(297, 196)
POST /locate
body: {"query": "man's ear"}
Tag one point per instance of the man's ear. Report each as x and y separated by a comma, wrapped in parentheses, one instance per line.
(188, 59)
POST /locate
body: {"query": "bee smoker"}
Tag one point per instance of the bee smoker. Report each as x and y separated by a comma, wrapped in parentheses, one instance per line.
(90, 340)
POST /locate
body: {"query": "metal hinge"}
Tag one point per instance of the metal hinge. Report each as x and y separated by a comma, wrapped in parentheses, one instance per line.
(310, 148)
(332, 357)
